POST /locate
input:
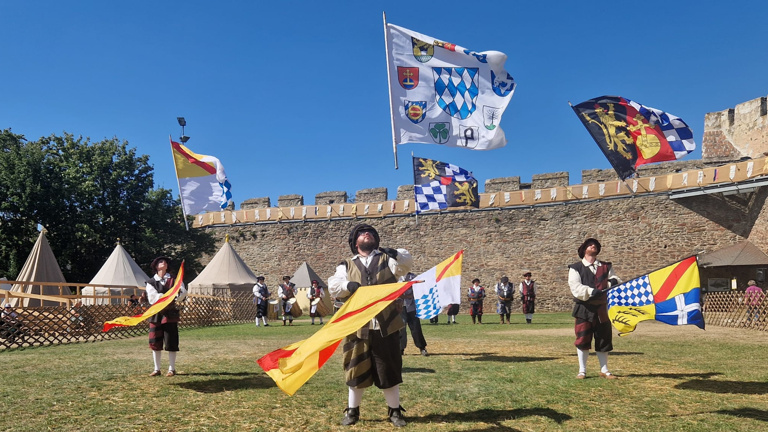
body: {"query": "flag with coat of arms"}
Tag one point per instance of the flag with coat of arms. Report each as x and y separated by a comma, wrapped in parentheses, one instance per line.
(671, 295)
(439, 185)
(441, 93)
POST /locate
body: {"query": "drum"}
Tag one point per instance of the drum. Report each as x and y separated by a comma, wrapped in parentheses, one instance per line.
(273, 309)
(295, 308)
(322, 308)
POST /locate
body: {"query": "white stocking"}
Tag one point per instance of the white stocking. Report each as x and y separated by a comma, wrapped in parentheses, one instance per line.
(392, 396)
(172, 360)
(156, 358)
(355, 396)
(583, 354)
(603, 358)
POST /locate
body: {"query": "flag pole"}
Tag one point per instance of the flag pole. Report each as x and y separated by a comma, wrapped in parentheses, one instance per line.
(178, 183)
(389, 86)
(414, 195)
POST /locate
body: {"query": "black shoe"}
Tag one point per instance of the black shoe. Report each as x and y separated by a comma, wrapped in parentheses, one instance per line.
(424, 353)
(351, 416)
(266, 325)
(396, 416)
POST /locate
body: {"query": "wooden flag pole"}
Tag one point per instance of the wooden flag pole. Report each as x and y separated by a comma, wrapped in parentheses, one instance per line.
(389, 87)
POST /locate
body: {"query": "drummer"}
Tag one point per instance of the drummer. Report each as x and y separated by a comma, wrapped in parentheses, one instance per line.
(261, 298)
(315, 295)
(287, 291)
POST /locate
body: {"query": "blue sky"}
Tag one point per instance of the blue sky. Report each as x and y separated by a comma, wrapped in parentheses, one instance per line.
(292, 96)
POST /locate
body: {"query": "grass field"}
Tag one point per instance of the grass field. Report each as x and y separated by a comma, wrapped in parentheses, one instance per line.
(486, 377)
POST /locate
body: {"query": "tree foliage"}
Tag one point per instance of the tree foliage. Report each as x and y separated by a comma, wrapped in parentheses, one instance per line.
(87, 195)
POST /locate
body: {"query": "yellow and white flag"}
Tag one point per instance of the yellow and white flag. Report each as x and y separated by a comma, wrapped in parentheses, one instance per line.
(441, 287)
(202, 180)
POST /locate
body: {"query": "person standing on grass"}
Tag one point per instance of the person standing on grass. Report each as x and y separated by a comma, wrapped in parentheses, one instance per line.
(372, 354)
(164, 326)
(453, 310)
(528, 296)
(476, 294)
(753, 296)
(413, 322)
(313, 293)
(261, 297)
(589, 280)
(287, 291)
(506, 293)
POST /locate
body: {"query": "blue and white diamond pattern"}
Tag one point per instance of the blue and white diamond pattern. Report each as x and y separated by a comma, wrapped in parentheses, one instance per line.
(456, 90)
(636, 292)
(432, 196)
(428, 305)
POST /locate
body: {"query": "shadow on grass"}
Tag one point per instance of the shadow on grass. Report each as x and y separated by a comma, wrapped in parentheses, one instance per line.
(492, 416)
(510, 359)
(249, 381)
(676, 375)
(725, 387)
(752, 413)
(417, 370)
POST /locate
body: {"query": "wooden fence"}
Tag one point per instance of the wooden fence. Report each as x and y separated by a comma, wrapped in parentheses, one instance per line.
(54, 325)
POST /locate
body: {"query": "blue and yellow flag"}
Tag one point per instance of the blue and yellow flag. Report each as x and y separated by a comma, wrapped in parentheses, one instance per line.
(671, 295)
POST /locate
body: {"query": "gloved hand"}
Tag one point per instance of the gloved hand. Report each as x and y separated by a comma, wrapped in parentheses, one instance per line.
(352, 287)
(612, 282)
(598, 292)
(389, 251)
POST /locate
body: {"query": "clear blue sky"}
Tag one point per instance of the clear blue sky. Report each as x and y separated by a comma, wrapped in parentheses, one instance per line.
(292, 96)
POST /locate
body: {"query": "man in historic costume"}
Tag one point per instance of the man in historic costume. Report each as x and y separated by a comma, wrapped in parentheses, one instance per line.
(476, 294)
(164, 326)
(372, 355)
(315, 292)
(413, 322)
(261, 295)
(287, 291)
(506, 292)
(589, 280)
(528, 296)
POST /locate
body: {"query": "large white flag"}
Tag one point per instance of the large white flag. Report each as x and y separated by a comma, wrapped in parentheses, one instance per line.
(444, 94)
(441, 287)
(202, 180)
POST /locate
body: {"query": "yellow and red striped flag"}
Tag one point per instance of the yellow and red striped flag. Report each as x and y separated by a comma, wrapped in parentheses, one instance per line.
(202, 180)
(160, 304)
(293, 365)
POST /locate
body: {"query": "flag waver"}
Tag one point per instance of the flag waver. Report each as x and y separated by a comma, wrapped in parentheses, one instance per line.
(671, 295)
(441, 93)
(440, 288)
(291, 366)
(439, 185)
(630, 134)
(202, 181)
(160, 304)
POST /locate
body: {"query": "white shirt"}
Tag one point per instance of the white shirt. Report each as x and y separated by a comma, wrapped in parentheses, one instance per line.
(153, 296)
(578, 289)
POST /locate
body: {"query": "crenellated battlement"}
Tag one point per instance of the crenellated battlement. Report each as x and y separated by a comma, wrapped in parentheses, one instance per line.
(737, 132)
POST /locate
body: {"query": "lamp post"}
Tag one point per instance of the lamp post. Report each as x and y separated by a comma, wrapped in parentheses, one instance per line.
(183, 138)
(182, 122)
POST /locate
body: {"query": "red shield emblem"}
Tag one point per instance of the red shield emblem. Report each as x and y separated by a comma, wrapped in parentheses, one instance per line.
(408, 77)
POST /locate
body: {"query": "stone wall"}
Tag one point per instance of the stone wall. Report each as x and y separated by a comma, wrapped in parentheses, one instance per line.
(639, 233)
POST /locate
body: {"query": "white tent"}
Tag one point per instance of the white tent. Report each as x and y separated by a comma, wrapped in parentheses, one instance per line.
(119, 269)
(303, 278)
(41, 266)
(224, 274)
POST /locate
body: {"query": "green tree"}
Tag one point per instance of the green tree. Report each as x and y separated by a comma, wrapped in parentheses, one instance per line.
(87, 195)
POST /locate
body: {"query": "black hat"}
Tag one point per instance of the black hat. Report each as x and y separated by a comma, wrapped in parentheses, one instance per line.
(286, 278)
(527, 274)
(157, 260)
(258, 278)
(356, 232)
(587, 242)
(504, 279)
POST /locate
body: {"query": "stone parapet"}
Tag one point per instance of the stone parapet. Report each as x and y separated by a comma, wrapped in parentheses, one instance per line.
(255, 203)
(334, 197)
(542, 181)
(290, 200)
(373, 195)
(502, 184)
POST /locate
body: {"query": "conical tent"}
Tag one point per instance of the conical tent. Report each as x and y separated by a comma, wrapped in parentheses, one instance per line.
(120, 269)
(41, 266)
(303, 278)
(225, 274)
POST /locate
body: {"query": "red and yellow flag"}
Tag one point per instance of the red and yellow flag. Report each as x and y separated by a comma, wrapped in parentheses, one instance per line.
(293, 365)
(160, 304)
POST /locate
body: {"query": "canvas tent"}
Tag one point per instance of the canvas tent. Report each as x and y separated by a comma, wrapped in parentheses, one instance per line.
(41, 266)
(225, 274)
(303, 278)
(119, 269)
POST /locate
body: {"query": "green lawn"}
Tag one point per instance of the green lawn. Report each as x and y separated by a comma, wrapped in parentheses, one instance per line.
(486, 377)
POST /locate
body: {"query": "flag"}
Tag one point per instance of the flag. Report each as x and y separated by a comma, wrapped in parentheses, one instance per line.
(631, 134)
(160, 304)
(441, 287)
(439, 185)
(671, 295)
(291, 366)
(202, 180)
(441, 93)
